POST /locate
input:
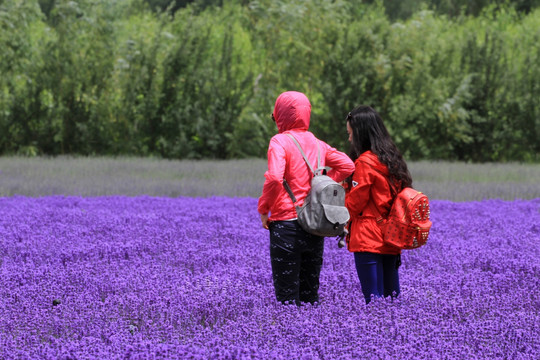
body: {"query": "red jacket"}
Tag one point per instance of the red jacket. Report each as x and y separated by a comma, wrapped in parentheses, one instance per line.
(369, 188)
(292, 113)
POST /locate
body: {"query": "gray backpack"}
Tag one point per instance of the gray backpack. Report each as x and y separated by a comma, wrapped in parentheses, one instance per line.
(324, 212)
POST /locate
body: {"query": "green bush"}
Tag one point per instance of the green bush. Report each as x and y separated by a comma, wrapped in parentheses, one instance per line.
(118, 77)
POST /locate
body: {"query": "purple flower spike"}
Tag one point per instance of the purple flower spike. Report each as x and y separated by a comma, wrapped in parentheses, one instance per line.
(190, 278)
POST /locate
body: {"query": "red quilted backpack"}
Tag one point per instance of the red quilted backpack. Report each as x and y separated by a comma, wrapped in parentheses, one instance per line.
(407, 225)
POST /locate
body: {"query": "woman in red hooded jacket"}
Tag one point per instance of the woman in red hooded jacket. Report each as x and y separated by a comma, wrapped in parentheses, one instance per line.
(380, 172)
(296, 255)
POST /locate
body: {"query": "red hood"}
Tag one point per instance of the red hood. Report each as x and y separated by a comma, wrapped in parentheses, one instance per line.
(370, 158)
(292, 111)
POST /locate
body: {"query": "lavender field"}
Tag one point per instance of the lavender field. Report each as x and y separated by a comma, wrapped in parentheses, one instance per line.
(105, 258)
(141, 277)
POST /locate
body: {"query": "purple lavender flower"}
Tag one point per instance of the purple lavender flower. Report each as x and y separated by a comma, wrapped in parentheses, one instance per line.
(189, 278)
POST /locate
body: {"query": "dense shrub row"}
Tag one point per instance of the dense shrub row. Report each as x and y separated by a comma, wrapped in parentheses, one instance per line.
(116, 77)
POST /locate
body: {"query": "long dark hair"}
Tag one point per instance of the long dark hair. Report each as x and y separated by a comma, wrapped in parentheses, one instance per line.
(369, 133)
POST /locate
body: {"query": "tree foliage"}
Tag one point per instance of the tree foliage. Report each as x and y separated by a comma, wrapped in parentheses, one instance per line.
(199, 80)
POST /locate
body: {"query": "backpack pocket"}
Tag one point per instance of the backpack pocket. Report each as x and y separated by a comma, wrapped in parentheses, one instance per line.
(336, 214)
(405, 235)
(323, 219)
(336, 219)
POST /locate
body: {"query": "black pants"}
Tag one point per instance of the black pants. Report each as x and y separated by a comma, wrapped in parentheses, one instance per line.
(297, 258)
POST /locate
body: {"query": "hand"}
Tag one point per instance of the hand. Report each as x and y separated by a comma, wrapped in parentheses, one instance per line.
(264, 220)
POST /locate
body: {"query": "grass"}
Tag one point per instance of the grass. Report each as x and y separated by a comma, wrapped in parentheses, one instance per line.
(99, 176)
(469, 182)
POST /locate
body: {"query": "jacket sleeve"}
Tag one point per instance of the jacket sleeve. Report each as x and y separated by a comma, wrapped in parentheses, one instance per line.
(358, 196)
(341, 165)
(274, 176)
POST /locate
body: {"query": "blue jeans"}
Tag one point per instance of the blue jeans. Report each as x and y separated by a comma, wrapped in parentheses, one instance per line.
(297, 258)
(378, 274)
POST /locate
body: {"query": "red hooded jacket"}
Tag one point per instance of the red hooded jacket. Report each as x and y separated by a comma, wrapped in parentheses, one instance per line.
(369, 188)
(292, 113)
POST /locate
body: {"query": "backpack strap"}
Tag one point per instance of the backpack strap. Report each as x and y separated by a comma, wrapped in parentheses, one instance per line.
(393, 194)
(285, 184)
(378, 215)
(305, 157)
(289, 191)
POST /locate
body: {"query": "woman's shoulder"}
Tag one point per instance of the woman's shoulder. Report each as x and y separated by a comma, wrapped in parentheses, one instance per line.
(303, 137)
(370, 161)
(368, 158)
(280, 138)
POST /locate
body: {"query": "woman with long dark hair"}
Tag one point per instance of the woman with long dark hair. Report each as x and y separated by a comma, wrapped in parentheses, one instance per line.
(380, 173)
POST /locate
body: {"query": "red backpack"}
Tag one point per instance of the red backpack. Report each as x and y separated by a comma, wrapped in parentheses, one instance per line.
(407, 225)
